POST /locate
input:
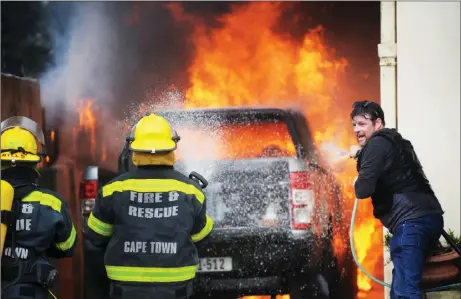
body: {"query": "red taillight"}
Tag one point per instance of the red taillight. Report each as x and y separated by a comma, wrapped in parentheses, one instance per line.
(88, 192)
(88, 189)
(302, 200)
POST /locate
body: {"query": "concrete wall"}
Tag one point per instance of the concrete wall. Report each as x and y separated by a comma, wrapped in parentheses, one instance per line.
(428, 94)
(427, 108)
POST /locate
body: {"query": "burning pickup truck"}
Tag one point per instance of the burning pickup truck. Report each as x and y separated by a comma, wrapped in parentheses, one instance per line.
(273, 205)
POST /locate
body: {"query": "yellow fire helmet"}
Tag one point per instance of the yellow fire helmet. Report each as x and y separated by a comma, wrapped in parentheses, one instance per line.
(153, 134)
(20, 140)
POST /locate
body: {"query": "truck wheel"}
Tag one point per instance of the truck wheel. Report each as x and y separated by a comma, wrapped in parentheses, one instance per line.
(349, 284)
(343, 286)
(315, 286)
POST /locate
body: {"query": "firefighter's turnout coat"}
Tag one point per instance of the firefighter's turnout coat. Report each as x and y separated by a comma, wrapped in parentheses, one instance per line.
(40, 227)
(149, 219)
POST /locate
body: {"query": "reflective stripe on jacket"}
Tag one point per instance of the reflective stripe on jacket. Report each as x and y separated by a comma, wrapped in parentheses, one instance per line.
(43, 226)
(65, 240)
(149, 219)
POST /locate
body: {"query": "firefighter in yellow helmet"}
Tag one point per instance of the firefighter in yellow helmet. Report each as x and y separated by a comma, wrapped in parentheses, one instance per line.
(149, 218)
(38, 224)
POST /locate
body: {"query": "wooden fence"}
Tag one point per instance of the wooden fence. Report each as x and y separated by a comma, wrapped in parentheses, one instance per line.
(21, 96)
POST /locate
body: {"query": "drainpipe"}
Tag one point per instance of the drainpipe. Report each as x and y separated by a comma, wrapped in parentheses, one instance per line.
(387, 52)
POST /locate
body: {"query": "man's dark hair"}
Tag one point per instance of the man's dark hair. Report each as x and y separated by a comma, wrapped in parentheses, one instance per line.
(368, 109)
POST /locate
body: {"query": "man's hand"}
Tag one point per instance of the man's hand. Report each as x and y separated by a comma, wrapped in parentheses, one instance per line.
(355, 180)
(354, 150)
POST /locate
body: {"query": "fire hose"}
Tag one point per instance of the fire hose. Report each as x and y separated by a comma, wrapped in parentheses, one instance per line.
(354, 255)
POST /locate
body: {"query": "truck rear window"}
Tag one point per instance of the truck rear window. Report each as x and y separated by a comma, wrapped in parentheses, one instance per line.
(252, 140)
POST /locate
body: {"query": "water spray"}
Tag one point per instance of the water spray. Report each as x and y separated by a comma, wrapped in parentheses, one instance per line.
(333, 153)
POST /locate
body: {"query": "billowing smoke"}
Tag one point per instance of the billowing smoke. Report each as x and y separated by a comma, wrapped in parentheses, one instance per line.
(128, 57)
(120, 54)
(84, 67)
(111, 55)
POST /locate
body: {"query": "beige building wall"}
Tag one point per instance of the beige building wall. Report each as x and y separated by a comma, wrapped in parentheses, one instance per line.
(427, 101)
(428, 94)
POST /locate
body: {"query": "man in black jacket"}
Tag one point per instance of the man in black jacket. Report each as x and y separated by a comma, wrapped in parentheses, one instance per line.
(391, 174)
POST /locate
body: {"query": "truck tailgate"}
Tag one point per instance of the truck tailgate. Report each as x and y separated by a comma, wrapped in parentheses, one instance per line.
(241, 193)
(240, 196)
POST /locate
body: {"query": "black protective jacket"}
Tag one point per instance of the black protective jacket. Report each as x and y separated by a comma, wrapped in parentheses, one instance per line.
(40, 226)
(149, 219)
(390, 172)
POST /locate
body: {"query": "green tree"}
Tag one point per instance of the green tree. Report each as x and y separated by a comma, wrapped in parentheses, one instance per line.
(26, 42)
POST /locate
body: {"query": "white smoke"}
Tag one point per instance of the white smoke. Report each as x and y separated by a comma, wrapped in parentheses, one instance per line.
(83, 69)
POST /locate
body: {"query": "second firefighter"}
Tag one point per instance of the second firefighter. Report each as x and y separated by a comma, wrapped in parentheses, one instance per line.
(149, 219)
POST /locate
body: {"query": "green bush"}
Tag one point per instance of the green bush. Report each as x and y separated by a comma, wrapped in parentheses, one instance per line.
(387, 239)
(450, 232)
(456, 239)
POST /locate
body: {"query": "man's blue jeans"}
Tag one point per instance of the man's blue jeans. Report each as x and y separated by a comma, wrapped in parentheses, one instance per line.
(410, 245)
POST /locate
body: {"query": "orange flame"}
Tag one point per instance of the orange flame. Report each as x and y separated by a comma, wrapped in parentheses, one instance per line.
(104, 152)
(245, 63)
(52, 135)
(236, 142)
(87, 122)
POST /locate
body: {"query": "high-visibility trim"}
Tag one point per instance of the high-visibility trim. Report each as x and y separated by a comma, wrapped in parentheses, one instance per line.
(102, 228)
(152, 185)
(146, 274)
(67, 244)
(44, 199)
(205, 230)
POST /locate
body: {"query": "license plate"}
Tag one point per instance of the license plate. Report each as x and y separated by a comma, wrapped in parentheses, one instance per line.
(215, 264)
